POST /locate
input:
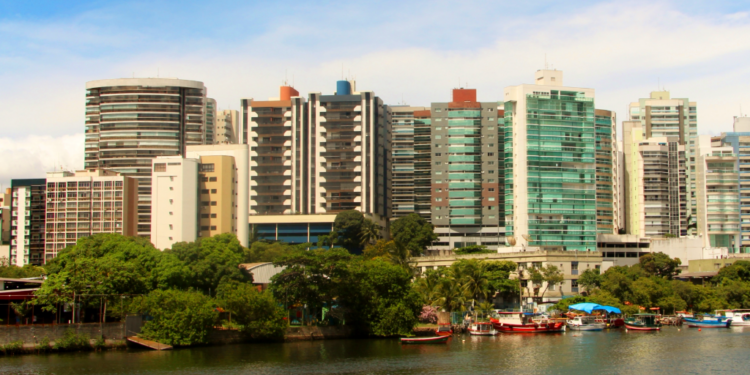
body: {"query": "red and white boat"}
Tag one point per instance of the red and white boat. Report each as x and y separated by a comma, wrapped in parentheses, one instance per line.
(516, 322)
(444, 329)
(482, 329)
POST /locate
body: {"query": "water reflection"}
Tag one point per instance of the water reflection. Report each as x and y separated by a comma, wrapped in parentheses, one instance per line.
(669, 351)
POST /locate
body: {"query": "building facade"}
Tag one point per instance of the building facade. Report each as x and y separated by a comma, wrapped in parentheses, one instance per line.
(550, 158)
(739, 141)
(175, 196)
(607, 179)
(412, 150)
(85, 203)
(5, 216)
(718, 196)
(210, 121)
(129, 122)
(227, 127)
(28, 210)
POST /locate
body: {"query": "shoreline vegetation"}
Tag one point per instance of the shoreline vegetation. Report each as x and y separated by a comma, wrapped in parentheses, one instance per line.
(348, 279)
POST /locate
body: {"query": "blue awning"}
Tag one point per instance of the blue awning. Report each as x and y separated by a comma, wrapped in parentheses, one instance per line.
(588, 307)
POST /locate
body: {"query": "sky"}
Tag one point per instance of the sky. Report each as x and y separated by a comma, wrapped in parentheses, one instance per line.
(410, 52)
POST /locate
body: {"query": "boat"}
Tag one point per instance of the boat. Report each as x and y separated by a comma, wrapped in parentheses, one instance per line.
(642, 322)
(518, 322)
(585, 323)
(708, 322)
(425, 340)
(482, 329)
(740, 318)
(607, 320)
(444, 329)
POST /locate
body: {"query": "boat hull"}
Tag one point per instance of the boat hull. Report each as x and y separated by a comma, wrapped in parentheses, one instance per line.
(641, 328)
(530, 328)
(484, 333)
(424, 340)
(587, 327)
(693, 323)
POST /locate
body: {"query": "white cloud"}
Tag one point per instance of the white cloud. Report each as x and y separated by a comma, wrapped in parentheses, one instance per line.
(33, 156)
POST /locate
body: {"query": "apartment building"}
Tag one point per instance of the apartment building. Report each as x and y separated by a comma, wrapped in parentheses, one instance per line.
(315, 159)
(661, 115)
(175, 196)
(718, 195)
(223, 180)
(739, 141)
(85, 203)
(227, 128)
(607, 173)
(210, 121)
(550, 159)
(412, 146)
(131, 121)
(467, 172)
(5, 216)
(28, 211)
(655, 179)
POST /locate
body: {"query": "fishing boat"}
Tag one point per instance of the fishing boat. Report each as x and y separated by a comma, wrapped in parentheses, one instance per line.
(606, 319)
(708, 322)
(517, 322)
(482, 329)
(425, 340)
(585, 323)
(740, 318)
(642, 322)
(444, 329)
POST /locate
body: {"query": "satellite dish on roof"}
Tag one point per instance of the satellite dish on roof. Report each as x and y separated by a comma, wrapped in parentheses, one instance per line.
(511, 240)
(527, 237)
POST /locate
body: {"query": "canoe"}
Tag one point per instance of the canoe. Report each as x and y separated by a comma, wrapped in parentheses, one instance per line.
(425, 340)
(641, 328)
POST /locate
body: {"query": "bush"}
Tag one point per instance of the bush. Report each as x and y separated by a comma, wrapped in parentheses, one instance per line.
(43, 344)
(99, 343)
(13, 348)
(72, 341)
(428, 315)
(180, 318)
(258, 314)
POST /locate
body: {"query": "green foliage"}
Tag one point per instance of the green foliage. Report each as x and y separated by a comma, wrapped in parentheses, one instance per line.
(257, 313)
(659, 264)
(590, 279)
(472, 249)
(43, 345)
(72, 341)
(368, 232)
(381, 248)
(13, 347)
(99, 343)
(563, 304)
(271, 251)
(413, 232)
(739, 270)
(180, 318)
(348, 229)
(14, 272)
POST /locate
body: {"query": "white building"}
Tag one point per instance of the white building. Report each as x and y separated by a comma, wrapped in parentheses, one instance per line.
(174, 208)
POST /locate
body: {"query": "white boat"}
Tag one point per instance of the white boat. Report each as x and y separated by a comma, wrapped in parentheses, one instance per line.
(585, 323)
(740, 318)
(482, 329)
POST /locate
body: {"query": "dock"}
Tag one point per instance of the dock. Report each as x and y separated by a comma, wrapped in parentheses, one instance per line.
(148, 343)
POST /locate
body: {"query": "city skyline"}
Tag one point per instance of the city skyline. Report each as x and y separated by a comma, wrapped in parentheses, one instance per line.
(695, 51)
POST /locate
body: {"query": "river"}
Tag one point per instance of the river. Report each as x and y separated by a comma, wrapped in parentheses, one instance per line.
(672, 351)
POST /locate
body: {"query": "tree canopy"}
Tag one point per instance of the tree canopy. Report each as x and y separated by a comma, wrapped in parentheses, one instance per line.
(413, 232)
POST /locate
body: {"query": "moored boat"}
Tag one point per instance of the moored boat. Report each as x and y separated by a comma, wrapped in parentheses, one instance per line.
(516, 322)
(740, 318)
(425, 340)
(703, 322)
(444, 329)
(585, 323)
(642, 322)
(482, 329)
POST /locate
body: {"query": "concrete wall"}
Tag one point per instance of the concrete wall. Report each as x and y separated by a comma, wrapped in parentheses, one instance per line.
(31, 334)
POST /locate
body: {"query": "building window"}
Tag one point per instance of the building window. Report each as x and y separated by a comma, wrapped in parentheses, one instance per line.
(491, 189)
(204, 191)
(574, 268)
(438, 190)
(160, 167)
(438, 199)
(205, 227)
(491, 199)
(438, 154)
(212, 179)
(204, 203)
(213, 203)
(490, 154)
(213, 216)
(213, 227)
(209, 167)
(213, 191)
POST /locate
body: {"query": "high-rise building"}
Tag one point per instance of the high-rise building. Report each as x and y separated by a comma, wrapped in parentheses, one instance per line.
(550, 159)
(131, 121)
(227, 127)
(607, 182)
(5, 217)
(718, 195)
(175, 196)
(85, 203)
(661, 115)
(316, 159)
(28, 210)
(223, 176)
(739, 140)
(210, 127)
(655, 179)
(467, 172)
(412, 158)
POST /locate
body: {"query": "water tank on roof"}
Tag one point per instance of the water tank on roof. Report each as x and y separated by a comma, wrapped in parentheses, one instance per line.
(343, 88)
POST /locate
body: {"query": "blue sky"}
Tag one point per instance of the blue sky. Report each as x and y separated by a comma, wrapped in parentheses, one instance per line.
(402, 50)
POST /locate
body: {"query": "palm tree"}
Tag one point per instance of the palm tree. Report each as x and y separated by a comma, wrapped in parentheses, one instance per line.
(369, 232)
(475, 282)
(429, 288)
(400, 256)
(453, 294)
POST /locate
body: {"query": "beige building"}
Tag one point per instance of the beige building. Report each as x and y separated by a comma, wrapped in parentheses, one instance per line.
(210, 124)
(227, 127)
(718, 195)
(175, 201)
(5, 217)
(85, 203)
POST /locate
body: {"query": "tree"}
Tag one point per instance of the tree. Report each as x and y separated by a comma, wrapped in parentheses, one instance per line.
(739, 270)
(14, 272)
(428, 287)
(590, 279)
(472, 249)
(271, 251)
(180, 318)
(413, 232)
(381, 248)
(659, 264)
(348, 229)
(551, 275)
(475, 281)
(369, 232)
(258, 313)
